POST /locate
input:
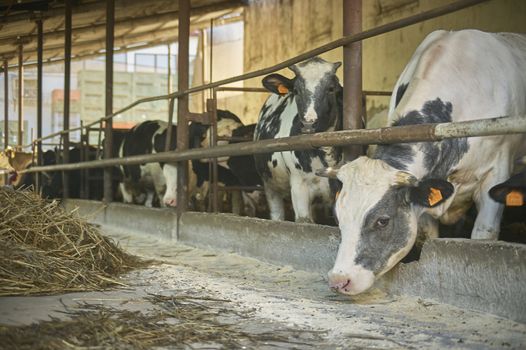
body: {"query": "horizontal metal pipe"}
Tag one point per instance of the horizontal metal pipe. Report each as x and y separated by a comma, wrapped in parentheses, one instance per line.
(409, 133)
(245, 89)
(404, 22)
(376, 93)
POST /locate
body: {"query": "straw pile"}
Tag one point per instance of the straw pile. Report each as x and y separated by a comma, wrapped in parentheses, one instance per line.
(178, 322)
(44, 249)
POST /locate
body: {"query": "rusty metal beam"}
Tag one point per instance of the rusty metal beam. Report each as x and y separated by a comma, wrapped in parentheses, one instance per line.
(40, 52)
(108, 132)
(6, 104)
(398, 134)
(20, 95)
(182, 104)
(352, 75)
(68, 14)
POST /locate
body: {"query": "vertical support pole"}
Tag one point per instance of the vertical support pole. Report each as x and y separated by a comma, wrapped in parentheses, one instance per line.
(108, 132)
(171, 103)
(182, 104)
(67, 94)
(40, 51)
(213, 143)
(169, 129)
(169, 91)
(352, 75)
(6, 103)
(20, 94)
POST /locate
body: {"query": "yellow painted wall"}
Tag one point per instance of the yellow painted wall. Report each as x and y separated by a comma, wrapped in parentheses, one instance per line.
(276, 30)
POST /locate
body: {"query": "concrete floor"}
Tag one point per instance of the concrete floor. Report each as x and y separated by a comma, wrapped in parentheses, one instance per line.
(283, 299)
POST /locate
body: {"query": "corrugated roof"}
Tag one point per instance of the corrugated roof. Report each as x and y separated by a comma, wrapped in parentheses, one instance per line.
(138, 23)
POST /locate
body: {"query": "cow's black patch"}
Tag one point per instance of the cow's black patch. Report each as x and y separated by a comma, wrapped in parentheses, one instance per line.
(297, 166)
(267, 128)
(274, 163)
(400, 93)
(439, 157)
(377, 244)
(244, 167)
(138, 141)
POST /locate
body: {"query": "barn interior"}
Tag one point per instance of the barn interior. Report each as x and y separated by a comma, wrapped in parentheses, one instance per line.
(102, 67)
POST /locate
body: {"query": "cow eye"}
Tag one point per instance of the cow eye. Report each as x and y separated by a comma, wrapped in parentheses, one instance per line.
(331, 90)
(382, 222)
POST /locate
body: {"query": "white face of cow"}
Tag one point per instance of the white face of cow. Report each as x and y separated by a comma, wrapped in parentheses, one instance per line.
(170, 174)
(317, 93)
(378, 210)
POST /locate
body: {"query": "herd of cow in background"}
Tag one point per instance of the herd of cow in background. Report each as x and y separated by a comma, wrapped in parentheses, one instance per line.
(386, 203)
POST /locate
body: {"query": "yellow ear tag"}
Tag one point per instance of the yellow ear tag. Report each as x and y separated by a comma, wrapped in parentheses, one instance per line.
(282, 89)
(435, 196)
(514, 199)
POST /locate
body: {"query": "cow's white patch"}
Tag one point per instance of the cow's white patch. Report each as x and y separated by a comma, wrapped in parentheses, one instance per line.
(313, 71)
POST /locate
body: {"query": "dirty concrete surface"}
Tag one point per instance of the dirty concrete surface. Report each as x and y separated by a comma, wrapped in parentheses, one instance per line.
(281, 299)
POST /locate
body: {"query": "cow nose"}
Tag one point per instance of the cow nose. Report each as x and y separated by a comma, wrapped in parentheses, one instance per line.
(171, 202)
(307, 128)
(339, 283)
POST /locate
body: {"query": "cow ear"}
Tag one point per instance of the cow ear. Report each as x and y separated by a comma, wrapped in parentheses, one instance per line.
(430, 193)
(278, 84)
(509, 195)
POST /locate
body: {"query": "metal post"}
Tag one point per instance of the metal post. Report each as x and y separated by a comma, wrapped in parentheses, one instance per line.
(169, 91)
(20, 94)
(171, 103)
(67, 89)
(40, 50)
(6, 103)
(108, 133)
(352, 74)
(182, 104)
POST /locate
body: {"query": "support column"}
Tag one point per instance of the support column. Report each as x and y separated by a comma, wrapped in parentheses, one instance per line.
(108, 128)
(40, 49)
(20, 95)
(352, 75)
(182, 104)
(6, 103)
(67, 94)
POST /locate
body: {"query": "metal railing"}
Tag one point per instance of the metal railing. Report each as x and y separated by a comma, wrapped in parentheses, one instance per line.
(382, 29)
(413, 133)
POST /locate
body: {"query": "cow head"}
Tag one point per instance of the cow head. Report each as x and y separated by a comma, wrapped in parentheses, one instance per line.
(378, 209)
(316, 90)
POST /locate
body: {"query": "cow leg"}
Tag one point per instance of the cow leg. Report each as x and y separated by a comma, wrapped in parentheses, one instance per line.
(127, 196)
(301, 200)
(149, 198)
(275, 204)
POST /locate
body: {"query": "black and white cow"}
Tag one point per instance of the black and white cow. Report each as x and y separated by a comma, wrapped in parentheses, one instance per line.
(388, 199)
(310, 102)
(144, 183)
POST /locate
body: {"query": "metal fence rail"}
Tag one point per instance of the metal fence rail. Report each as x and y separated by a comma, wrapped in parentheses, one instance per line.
(409, 133)
(423, 16)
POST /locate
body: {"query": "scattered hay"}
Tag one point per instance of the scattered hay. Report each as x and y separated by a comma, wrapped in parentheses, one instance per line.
(44, 249)
(177, 322)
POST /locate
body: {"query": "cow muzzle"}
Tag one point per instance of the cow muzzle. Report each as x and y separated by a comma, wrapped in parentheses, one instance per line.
(351, 284)
(308, 128)
(170, 202)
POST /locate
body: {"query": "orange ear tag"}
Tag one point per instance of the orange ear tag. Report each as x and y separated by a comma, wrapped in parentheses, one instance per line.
(282, 89)
(435, 196)
(514, 199)
(337, 195)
